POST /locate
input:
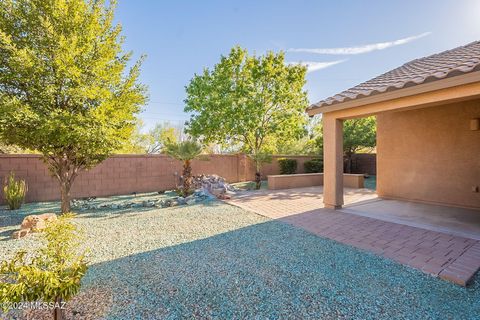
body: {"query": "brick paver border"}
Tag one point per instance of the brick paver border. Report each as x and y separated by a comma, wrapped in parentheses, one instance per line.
(449, 257)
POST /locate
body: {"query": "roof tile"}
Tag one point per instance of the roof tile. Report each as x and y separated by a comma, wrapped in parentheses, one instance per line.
(442, 65)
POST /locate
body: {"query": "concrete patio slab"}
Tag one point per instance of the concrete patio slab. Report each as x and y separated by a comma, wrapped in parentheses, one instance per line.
(450, 257)
(457, 221)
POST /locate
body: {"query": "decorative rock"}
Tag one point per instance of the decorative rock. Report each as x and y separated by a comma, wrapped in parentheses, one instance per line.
(34, 223)
(191, 201)
(212, 184)
(20, 233)
(37, 222)
(224, 197)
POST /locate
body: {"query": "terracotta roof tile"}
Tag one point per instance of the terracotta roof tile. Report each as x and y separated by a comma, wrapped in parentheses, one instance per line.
(442, 65)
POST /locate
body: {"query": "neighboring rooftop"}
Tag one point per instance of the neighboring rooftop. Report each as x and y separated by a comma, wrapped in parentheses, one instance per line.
(442, 65)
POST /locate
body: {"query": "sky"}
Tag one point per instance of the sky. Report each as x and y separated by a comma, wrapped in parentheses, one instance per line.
(343, 42)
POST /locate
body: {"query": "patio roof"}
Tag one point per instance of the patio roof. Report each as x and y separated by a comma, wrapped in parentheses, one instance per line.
(451, 63)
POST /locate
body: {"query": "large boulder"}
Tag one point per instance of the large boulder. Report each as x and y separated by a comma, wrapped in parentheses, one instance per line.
(34, 223)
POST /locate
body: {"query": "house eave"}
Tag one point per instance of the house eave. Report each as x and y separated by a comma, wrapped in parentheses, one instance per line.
(455, 81)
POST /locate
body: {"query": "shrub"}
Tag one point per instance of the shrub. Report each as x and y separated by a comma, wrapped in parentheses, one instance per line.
(287, 166)
(52, 275)
(14, 191)
(313, 166)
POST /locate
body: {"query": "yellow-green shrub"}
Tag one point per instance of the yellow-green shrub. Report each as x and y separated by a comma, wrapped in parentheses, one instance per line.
(14, 191)
(52, 274)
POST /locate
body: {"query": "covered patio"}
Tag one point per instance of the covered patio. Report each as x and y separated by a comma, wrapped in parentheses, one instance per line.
(428, 130)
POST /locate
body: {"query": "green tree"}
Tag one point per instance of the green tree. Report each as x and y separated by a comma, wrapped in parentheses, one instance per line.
(65, 90)
(248, 100)
(52, 275)
(185, 151)
(137, 142)
(8, 149)
(150, 142)
(160, 136)
(358, 134)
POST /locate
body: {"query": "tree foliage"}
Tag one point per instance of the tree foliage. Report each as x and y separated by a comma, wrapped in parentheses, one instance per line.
(53, 274)
(254, 101)
(153, 141)
(358, 134)
(65, 90)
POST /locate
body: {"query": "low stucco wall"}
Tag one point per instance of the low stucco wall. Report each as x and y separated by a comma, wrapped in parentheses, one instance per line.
(430, 155)
(290, 181)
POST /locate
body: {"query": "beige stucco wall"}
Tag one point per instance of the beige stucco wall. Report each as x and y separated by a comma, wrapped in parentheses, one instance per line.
(430, 154)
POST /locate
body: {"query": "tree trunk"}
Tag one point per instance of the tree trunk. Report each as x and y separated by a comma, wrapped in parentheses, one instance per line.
(348, 168)
(258, 175)
(187, 177)
(57, 311)
(258, 180)
(65, 192)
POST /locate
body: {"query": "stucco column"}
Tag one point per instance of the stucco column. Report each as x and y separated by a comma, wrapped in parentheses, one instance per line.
(332, 162)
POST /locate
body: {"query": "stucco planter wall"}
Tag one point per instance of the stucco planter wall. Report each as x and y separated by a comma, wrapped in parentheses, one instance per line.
(289, 181)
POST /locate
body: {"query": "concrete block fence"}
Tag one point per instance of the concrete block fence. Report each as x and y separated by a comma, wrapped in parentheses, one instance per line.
(125, 174)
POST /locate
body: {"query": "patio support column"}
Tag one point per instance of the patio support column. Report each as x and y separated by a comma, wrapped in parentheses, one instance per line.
(333, 162)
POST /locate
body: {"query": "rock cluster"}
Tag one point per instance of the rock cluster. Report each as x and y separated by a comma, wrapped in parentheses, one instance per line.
(33, 223)
(214, 185)
(89, 204)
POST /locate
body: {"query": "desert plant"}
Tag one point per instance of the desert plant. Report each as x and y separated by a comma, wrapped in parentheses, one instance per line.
(313, 166)
(287, 166)
(14, 191)
(52, 274)
(185, 151)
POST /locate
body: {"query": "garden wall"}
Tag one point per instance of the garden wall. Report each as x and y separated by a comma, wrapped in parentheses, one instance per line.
(364, 163)
(125, 174)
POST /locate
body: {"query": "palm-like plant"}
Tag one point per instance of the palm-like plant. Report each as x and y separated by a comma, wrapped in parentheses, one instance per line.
(185, 151)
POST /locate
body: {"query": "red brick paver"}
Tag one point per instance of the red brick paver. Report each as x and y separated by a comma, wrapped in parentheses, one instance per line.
(452, 258)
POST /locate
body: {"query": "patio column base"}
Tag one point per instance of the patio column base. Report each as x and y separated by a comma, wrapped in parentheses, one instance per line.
(332, 206)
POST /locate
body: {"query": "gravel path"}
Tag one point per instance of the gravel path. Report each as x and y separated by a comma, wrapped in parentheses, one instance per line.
(217, 261)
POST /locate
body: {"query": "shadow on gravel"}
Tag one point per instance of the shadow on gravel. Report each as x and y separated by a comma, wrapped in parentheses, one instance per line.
(275, 270)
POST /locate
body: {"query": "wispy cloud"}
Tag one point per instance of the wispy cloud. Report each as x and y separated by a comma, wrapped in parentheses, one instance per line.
(360, 49)
(315, 66)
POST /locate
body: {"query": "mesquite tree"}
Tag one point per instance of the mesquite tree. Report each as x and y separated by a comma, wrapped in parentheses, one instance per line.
(248, 100)
(65, 90)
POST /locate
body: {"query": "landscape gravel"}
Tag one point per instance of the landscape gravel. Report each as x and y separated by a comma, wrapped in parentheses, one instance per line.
(216, 261)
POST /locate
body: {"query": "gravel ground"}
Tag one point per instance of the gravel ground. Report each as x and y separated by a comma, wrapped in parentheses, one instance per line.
(213, 260)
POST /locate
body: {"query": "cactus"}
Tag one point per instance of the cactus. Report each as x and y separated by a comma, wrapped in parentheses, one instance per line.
(14, 191)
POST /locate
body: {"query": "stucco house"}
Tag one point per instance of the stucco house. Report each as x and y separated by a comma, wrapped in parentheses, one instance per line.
(428, 130)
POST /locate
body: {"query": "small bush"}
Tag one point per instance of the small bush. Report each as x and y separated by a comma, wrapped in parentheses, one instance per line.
(287, 166)
(52, 274)
(313, 166)
(14, 191)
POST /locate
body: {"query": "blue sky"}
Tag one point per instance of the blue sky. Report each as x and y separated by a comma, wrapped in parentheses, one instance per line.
(180, 38)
